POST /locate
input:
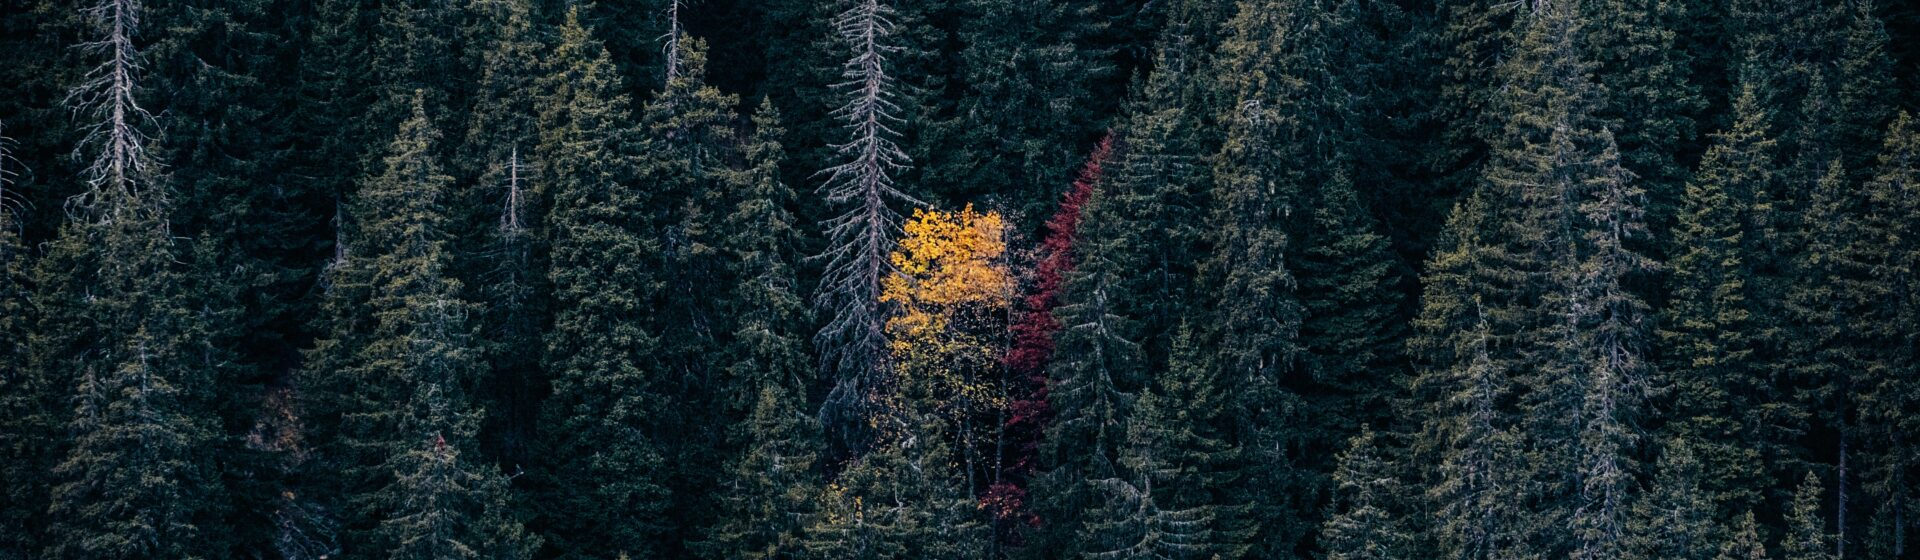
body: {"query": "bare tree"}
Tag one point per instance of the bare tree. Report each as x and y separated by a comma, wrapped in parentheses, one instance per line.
(119, 175)
(853, 345)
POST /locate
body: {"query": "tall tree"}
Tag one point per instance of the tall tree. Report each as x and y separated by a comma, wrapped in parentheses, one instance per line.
(22, 409)
(136, 477)
(1651, 97)
(767, 490)
(1365, 525)
(1718, 394)
(603, 484)
(1164, 500)
(1035, 337)
(853, 344)
(407, 489)
(1890, 397)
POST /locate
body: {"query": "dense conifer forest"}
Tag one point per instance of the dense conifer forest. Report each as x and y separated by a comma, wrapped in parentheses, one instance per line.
(960, 279)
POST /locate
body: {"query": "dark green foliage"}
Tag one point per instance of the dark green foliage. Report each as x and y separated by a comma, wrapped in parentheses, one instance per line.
(522, 279)
(1675, 518)
(1367, 524)
(1164, 499)
(399, 389)
(1720, 403)
(769, 485)
(601, 490)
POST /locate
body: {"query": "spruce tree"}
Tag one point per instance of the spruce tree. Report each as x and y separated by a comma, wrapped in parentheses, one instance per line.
(1718, 395)
(407, 489)
(768, 488)
(504, 215)
(1806, 535)
(1889, 396)
(1745, 543)
(1165, 499)
(136, 476)
(1025, 76)
(1139, 247)
(1651, 97)
(602, 486)
(1365, 524)
(21, 406)
(1676, 518)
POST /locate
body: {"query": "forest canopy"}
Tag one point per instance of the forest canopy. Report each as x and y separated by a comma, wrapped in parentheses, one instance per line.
(960, 279)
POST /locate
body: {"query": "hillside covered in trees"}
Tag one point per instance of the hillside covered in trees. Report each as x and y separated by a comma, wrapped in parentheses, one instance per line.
(960, 279)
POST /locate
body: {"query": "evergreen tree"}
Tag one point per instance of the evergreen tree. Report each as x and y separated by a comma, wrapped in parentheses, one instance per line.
(1718, 396)
(1745, 544)
(1140, 245)
(136, 476)
(769, 484)
(504, 214)
(1036, 336)
(1675, 519)
(1806, 537)
(1651, 98)
(860, 239)
(21, 407)
(1365, 525)
(1164, 500)
(1889, 399)
(689, 144)
(1024, 108)
(602, 488)
(408, 492)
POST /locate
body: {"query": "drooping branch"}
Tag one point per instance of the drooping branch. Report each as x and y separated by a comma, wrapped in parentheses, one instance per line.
(853, 343)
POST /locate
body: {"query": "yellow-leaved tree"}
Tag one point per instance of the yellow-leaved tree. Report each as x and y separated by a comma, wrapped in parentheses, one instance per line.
(948, 330)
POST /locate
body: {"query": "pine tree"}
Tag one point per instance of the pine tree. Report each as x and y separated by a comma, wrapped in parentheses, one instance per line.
(1474, 488)
(603, 482)
(136, 477)
(21, 405)
(1168, 497)
(1365, 525)
(1675, 519)
(1806, 536)
(1745, 544)
(852, 344)
(1889, 398)
(1718, 394)
(767, 492)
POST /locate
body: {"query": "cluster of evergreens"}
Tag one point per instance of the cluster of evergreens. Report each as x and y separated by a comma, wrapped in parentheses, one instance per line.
(949, 279)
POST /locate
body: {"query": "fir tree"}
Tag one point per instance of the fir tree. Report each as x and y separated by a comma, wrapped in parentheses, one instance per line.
(1890, 401)
(1675, 519)
(1036, 337)
(1806, 536)
(1717, 396)
(136, 477)
(602, 486)
(21, 404)
(1651, 98)
(768, 486)
(1365, 525)
(1745, 544)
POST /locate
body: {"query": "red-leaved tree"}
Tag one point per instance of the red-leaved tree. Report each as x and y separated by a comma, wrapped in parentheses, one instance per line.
(1028, 412)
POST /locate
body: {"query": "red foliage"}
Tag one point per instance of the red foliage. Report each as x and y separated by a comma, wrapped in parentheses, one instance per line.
(1033, 345)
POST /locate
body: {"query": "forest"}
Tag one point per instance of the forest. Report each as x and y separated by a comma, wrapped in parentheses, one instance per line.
(960, 279)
